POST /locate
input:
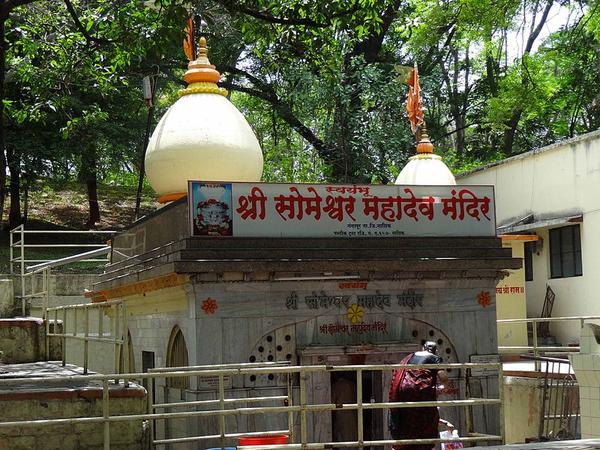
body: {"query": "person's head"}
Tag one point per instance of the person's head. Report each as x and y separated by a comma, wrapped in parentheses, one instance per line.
(431, 347)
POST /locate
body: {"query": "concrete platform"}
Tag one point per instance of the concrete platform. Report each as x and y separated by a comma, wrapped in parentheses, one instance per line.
(22, 382)
(32, 394)
(581, 444)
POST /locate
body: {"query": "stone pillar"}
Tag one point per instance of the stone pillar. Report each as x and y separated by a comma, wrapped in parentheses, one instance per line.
(586, 365)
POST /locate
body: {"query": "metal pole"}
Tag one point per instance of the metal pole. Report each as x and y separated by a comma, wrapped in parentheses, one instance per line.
(101, 322)
(290, 402)
(23, 298)
(501, 397)
(125, 345)
(535, 346)
(86, 343)
(116, 328)
(558, 395)
(469, 409)
(222, 408)
(64, 334)
(150, 408)
(106, 414)
(12, 253)
(74, 321)
(138, 196)
(545, 403)
(303, 437)
(45, 313)
(55, 329)
(359, 388)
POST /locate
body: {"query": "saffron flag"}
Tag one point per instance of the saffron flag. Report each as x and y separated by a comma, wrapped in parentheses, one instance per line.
(413, 102)
(188, 41)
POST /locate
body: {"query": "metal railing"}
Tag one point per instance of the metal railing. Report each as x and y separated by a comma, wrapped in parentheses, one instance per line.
(116, 335)
(560, 412)
(229, 407)
(19, 259)
(536, 349)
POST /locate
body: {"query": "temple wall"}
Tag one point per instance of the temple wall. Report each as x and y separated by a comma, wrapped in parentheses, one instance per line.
(310, 322)
(314, 322)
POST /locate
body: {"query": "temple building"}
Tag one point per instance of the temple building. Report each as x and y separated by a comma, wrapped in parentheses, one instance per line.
(233, 270)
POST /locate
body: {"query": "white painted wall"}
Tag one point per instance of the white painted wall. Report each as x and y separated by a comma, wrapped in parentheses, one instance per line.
(554, 181)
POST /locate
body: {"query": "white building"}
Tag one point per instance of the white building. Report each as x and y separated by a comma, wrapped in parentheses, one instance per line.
(554, 193)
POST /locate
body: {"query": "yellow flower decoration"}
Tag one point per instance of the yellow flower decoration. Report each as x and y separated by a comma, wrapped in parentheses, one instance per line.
(355, 313)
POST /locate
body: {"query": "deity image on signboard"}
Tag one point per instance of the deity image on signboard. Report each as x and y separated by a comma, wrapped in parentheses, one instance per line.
(211, 214)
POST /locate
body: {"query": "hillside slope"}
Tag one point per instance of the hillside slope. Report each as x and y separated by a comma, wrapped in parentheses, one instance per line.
(65, 205)
(55, 206)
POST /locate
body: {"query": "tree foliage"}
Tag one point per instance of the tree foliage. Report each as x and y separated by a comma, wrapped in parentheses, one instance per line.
(316, 79)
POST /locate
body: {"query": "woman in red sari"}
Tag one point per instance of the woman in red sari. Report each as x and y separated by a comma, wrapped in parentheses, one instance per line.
(415, 385)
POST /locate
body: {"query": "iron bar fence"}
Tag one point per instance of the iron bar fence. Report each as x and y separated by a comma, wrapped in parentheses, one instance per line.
(20, 257)
(560, 411)
(536, 349)
(229, 407)
(115, 311)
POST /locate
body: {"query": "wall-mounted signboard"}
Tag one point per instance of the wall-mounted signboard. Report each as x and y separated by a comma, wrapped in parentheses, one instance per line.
(328, 210)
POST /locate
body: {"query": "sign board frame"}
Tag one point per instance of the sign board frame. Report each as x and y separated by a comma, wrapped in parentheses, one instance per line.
(225, 209)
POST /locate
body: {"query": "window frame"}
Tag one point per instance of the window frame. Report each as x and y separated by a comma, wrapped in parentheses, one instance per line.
(559, 256)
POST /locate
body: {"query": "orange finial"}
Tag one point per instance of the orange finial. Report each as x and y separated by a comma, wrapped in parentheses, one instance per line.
(203, 50)
(201, 70)
(424, 145)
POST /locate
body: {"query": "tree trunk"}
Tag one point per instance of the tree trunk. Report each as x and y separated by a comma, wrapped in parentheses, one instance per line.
(3, 164)
(490, 74)
(26, 198)
(513, 122)
(14, 165)
(92, 189)
(340, 136)
(510, 132)
(89, 173)
(6, 8)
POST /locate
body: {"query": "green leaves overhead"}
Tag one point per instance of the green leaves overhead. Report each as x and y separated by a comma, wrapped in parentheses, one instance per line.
(316, 79)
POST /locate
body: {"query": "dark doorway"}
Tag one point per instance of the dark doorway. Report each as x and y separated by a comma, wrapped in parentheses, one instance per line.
(147, 363)
(344, 423)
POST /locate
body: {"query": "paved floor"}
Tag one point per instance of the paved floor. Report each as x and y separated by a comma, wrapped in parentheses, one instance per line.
(30, 380)
(583, 444)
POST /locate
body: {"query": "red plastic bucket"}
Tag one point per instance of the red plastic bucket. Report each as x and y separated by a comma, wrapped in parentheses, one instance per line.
(264, 440)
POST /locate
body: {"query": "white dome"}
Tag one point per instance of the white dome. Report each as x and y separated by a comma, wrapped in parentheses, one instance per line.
(426, 169)
(202, 137)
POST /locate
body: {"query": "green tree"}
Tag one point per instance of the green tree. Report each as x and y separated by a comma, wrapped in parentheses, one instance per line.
(78, 67)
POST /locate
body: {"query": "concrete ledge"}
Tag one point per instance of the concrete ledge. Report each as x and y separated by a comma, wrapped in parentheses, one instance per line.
(26, 382)
(21, 322)
(62, 394)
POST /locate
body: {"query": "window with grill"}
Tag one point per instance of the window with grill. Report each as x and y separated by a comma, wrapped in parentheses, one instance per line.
(565, 252)
(177, 356)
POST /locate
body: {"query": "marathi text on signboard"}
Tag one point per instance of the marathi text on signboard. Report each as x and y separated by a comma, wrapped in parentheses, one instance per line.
(316, 210)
